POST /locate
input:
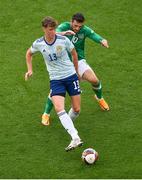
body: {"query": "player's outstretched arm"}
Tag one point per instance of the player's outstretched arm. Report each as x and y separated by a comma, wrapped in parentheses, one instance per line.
(63, 33)
(29, 64)
(104, 43)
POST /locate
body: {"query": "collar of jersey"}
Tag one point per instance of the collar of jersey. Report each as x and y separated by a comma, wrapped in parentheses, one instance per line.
(52, 42)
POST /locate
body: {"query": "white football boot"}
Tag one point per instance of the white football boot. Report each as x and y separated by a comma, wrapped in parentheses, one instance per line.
(74, 143)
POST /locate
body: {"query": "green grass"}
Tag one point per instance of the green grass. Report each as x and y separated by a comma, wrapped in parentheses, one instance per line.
(29, 150)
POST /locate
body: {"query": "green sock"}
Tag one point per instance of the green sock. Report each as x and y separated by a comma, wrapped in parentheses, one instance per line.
(48, 106)
(97, 88)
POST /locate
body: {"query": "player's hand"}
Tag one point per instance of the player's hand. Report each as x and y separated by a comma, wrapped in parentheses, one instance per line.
(28, 75)
(104, 43)
(69, 32)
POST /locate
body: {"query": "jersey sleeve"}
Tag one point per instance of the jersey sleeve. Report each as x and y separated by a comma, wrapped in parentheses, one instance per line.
(34, 47)
(62, 27)
(69, 45)
(92, 35)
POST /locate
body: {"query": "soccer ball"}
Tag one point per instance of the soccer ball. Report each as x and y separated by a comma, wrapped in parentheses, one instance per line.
(89, 156)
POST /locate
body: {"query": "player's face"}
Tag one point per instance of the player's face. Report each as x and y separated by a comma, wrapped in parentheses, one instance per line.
(49, 32)
(76, 26)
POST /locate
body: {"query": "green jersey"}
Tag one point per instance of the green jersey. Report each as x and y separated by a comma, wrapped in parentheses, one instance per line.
(79, 38)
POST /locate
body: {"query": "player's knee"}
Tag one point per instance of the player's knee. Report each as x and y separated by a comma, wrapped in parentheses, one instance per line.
(58, 108)
(95, 81)
(97, 86)
(76, 110)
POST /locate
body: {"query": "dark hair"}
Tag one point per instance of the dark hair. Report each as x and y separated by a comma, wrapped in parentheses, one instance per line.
(78, 17)
(49, 22)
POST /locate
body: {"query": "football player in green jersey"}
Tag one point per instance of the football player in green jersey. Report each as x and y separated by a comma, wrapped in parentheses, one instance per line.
(77, 32)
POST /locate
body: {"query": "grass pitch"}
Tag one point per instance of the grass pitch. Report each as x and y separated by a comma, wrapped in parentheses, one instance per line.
(29, 150)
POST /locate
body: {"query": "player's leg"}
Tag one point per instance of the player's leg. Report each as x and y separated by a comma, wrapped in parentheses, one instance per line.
(73, 114)
(89, 75)
(46, 115)
(66, 122)
(58, 98)
(75, 109)
(73, 90)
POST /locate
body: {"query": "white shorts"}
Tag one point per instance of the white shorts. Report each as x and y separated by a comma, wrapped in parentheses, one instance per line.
(82, 67)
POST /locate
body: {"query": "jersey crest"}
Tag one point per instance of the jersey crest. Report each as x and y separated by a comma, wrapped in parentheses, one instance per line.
(58, 49)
